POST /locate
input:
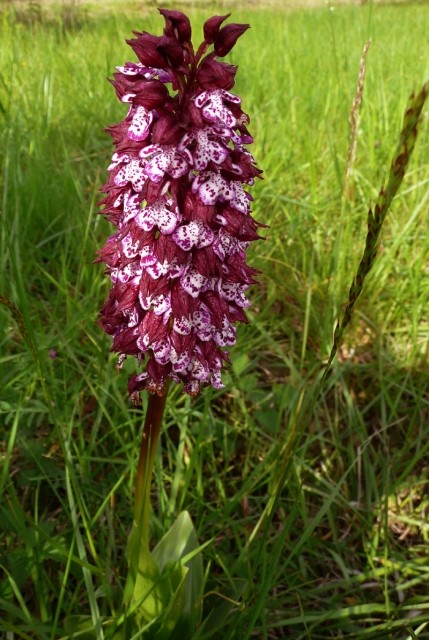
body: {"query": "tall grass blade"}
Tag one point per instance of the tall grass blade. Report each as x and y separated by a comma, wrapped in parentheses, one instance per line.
(376, 218)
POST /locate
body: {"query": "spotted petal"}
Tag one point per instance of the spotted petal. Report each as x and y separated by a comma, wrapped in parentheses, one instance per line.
(212, 187)
(117, 159)
(130, 273)
(160, 214)
(192, 281)
(161, 303)
(140, 124)
(194, 234)
(131, 207)
(131, 172)
(130, 245)
(207, 148)
(164, 160)
(241, 198)
(212, 105)
(226, 336)
(162, 350)
(226, 245)
(234, 292)
(198, 370)
(182, 325)
(202, 322)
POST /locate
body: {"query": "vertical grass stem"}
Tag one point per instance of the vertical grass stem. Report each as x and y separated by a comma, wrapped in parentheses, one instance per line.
(354, 123)
(376, 218)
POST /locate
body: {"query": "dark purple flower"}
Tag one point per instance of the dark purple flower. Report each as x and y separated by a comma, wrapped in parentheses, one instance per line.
(177, 195)
(212, 26)
(176, 25)
(227, 37)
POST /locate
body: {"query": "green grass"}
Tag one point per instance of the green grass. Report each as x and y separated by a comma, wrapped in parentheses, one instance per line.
(322, 536)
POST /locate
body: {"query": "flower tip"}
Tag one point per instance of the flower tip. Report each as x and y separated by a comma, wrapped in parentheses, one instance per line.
(177, 25)
(211, 27)
(227, 37)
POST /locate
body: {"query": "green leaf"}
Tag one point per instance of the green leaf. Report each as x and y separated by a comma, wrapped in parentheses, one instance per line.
(218, 616)
(178, 543)
(174, 611)
(80, 627)
(150, 595)
(163, 593)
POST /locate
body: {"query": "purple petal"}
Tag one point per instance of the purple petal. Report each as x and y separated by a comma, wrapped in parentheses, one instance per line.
(158, 269)
(132, 172)
(226, 245)
(209, 185)
(147, 257)
(182, 326)
(130, 273)
(194, 234)
(128, 97)
(192, 281)
(118, 159)
(216, 380)
(212, 187)
(167, 221)
(202, 323)
(161, 303)
(234, 292)
(207, 149)
(131, 207)
(192, 387)
(161, 350)
(241, 198)
(164, 160)
(160, 215)
(176, 269)
(133, 317)
(145, 301)
(130, 246)
(226, 336)
(213, 108)
(140, 124)
(180, 362)
(149, 150)
(198, 371)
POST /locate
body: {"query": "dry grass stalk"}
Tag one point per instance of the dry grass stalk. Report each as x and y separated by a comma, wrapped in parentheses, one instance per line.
(354, 123)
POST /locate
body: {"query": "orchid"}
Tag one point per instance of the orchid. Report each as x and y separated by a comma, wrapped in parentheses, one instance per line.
(177, 193)
(178, 196)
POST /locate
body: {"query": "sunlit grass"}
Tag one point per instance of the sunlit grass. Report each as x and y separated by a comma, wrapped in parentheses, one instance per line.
(341, 550)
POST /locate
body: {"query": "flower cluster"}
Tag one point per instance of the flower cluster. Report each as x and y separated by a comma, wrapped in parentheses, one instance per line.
(176, 195)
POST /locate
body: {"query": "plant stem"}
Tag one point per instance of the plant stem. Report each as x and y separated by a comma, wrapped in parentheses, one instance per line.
(151, 431)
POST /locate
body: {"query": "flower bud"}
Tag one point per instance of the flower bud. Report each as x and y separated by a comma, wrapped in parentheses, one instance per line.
(212, 26)
(227, 37)
(177, 25)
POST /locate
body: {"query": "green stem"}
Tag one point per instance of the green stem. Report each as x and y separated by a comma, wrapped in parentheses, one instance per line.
(151, 431)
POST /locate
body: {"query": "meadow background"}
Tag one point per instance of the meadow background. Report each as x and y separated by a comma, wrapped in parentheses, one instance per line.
(319, 534)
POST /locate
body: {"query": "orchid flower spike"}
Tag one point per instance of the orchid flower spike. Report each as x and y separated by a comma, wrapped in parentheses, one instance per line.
(177, 195)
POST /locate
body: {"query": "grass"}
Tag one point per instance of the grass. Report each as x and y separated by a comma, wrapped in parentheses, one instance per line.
(322, 536)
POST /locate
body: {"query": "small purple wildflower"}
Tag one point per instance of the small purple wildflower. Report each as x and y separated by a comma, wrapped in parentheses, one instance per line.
(176, 193)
